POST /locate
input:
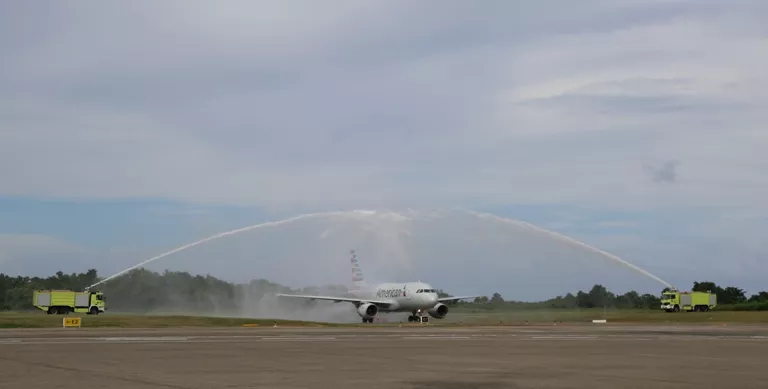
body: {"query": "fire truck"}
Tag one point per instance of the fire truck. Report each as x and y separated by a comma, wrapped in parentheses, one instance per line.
(675, 301)
(62, 302)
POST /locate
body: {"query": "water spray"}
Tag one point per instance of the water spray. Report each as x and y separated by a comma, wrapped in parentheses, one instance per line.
(344, 213)
(571, 241)
(214, 237)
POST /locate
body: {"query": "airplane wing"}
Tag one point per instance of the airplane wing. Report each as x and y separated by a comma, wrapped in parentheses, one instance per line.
(380, 303)
(455, 298)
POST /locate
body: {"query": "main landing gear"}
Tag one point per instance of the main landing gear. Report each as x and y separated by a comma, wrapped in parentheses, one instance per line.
(367, 320)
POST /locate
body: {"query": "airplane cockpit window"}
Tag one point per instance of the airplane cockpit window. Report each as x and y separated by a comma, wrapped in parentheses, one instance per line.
(420, 291)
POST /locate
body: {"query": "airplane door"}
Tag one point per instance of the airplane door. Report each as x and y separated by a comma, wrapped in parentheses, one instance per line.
(408, 293)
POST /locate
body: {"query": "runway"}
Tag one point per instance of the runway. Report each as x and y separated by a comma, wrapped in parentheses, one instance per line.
(598, 356)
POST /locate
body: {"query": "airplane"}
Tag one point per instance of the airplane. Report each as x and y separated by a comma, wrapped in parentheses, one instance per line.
(414, 297)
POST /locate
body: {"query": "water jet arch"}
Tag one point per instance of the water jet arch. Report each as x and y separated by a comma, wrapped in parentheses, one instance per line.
(364, 214)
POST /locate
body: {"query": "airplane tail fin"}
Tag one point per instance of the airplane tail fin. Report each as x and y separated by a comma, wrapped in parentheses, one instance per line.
(358, 281)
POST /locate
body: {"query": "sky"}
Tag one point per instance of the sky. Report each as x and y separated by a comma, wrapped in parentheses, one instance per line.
(635, 126)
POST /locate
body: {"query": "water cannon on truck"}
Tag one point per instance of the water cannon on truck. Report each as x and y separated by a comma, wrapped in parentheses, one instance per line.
(676, 301)
(62, 302)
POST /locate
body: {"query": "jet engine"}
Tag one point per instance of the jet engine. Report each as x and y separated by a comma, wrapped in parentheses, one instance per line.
(367, 310)
(438, 311)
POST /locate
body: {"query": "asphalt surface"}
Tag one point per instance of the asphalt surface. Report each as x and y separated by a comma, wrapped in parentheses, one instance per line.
(598, 356)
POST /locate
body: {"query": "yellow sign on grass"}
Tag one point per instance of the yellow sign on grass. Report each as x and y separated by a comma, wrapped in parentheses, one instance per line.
(72, 322)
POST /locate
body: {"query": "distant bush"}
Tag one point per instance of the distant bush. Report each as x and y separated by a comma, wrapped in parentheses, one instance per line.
(751, 306)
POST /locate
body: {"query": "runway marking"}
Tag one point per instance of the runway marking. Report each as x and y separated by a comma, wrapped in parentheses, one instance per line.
(436, 337)
(146, 338)
(291, 338)
(373, 337)
(687, 357)
(566, 337)
(156, 342)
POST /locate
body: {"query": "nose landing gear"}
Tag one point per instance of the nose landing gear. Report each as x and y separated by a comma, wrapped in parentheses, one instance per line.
(417, 318)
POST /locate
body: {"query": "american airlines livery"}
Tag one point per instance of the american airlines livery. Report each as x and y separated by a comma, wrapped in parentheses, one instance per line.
(414, 297)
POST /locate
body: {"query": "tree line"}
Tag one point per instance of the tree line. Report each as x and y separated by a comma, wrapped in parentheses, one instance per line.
(597, 297)
(730, 298)
(142, 290)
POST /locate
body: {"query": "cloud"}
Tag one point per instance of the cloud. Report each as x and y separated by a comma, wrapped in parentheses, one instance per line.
(354, 105)
(665, 173)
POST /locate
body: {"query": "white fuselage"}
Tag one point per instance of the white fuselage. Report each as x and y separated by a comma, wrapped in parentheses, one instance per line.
(405, 297)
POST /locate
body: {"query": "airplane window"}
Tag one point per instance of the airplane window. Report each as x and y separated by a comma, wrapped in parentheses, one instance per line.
(419, 291)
